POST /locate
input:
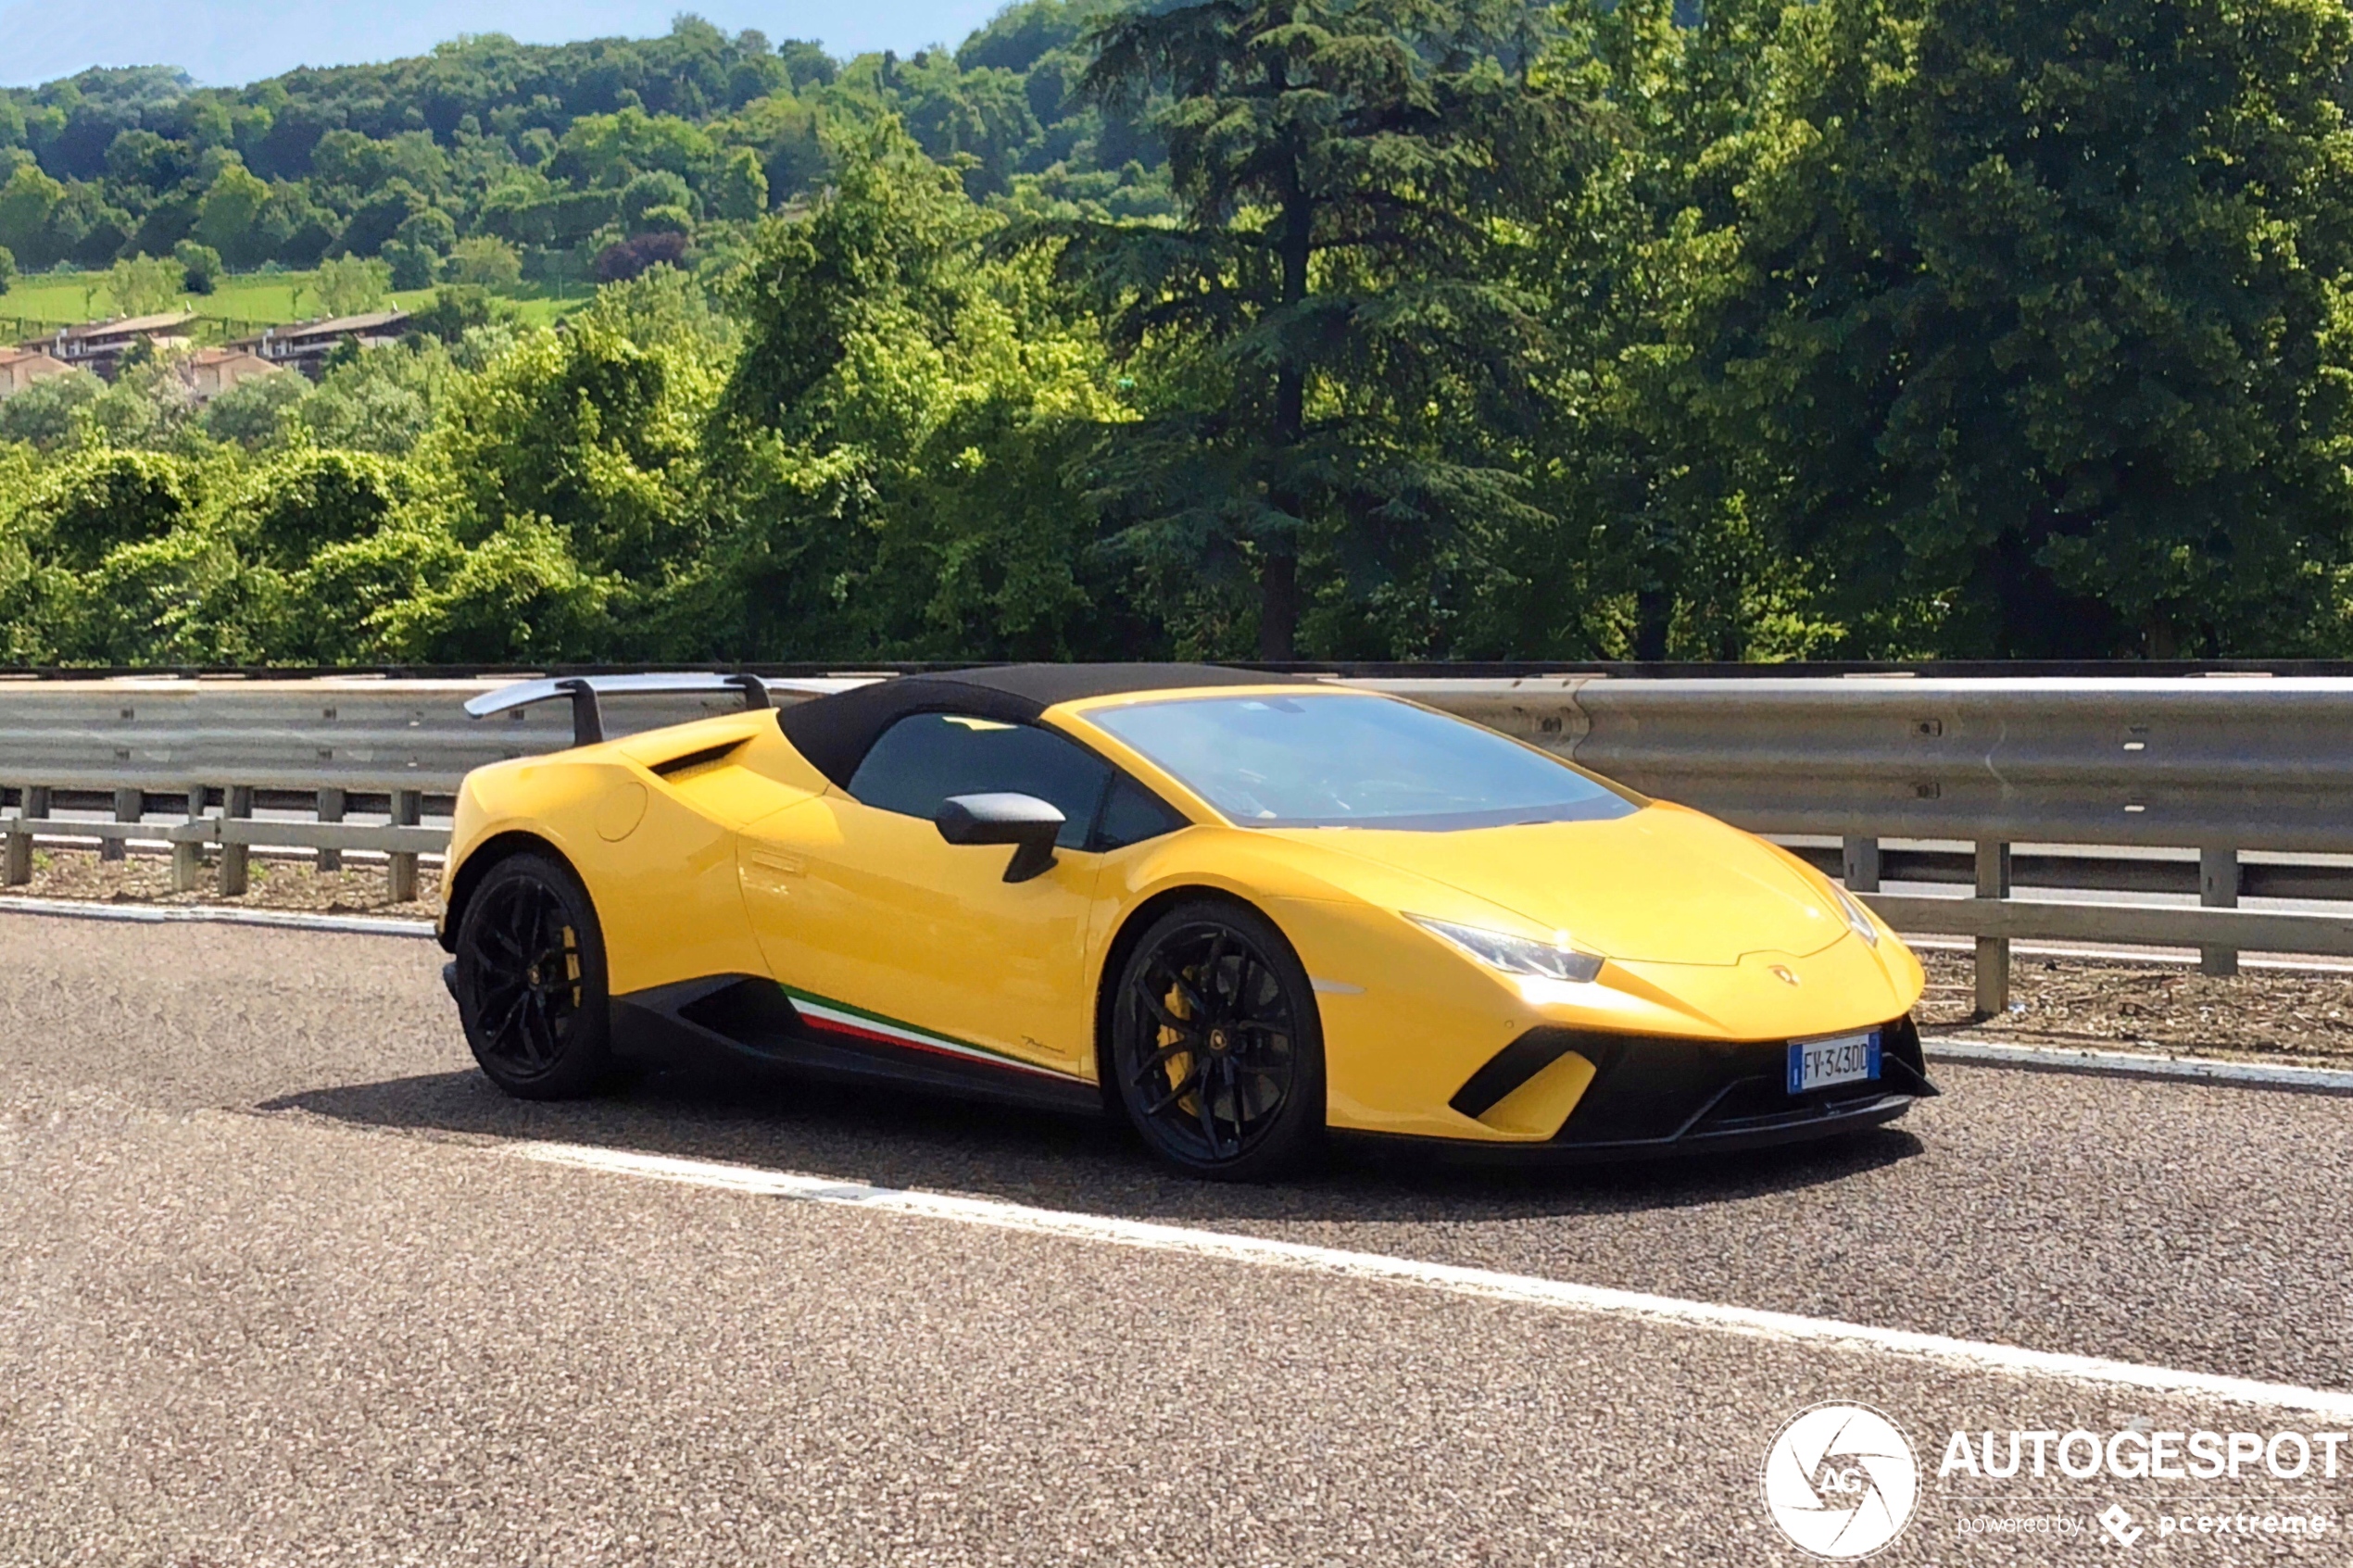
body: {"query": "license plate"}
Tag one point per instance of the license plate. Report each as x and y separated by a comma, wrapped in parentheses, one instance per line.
(1842, 1059)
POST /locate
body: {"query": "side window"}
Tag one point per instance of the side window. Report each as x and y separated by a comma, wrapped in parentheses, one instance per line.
(926, 757)
(1133, 814)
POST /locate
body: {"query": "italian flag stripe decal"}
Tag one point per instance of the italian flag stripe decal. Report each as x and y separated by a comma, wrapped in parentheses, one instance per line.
(839, 1019)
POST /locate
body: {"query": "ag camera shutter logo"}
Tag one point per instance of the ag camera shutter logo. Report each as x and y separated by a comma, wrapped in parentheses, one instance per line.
(1841, 1481)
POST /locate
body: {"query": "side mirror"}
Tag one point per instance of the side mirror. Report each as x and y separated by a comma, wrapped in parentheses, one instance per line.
(1022, 821)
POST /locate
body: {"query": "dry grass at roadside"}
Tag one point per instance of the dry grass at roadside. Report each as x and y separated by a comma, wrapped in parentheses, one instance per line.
(272, 884)
(2121, 1004)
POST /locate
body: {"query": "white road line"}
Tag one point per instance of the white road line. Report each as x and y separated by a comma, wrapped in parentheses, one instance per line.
(213, 915)
(2138, 1064)
(1785, 1327)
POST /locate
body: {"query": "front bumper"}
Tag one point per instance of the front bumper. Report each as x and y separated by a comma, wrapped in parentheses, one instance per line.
(1652, 1095)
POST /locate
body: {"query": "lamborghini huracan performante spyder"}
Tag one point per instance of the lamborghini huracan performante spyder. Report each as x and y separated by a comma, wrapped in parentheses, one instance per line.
(1234, 909)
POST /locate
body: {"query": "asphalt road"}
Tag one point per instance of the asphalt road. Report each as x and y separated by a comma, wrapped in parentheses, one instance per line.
(275, 1288)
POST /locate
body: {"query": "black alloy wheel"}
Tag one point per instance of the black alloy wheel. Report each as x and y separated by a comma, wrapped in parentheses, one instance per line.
(531, 980)
(1216, 1048)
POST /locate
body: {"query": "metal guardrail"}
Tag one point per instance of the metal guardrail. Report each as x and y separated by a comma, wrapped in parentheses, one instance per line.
(153, 745)
(2223, 766)
(2219, 764)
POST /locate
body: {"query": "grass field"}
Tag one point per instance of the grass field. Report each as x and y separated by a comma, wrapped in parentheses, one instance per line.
(244, 302)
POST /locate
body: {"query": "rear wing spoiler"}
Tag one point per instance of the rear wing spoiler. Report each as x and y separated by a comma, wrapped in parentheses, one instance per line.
(587, 717)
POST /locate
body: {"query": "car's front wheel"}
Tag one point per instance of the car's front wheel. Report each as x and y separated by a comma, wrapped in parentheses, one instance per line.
(1216, 1045)
(530, 980)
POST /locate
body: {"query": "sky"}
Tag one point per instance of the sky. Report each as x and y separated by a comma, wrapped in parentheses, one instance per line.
(227, 42)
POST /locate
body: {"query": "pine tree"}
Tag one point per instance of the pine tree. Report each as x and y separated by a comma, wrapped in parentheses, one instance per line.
(1323, 323)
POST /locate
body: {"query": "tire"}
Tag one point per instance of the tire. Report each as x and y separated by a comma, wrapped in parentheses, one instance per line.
(530, 981)
(1216, 1052)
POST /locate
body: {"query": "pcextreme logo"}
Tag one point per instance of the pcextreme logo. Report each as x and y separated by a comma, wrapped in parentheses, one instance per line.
(2119, 1525)
(1841, 1481)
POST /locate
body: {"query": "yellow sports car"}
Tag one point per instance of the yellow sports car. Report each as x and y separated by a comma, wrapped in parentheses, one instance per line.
(1236, 909)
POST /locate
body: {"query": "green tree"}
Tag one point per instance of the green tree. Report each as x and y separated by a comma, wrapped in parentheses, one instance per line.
(517, 594)
(229, 216)
(979, 118)
(410, 265)
(351, 285)
(454, 310)
(432, 230)
(173, 599)
(1653, 551)
(200, 267)
(604, 149)
(486, 261)
(52, 413)
(147, 406)
(101, 500)
(663, 221)
(378, 218)
(2041, 339)
(145, 285)
(1331, 298)
(596, 428)
(258, 414)
(8, 269)
(657, 188)
(29, 205)
(294, 509)
(895, 471)
(382, 400)
(369, 599)
(788, 135)
(741, 192)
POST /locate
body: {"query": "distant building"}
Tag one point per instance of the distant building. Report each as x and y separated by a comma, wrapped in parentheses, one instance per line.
(211, 371)
(305, 346)
(100, 346)
(19, 368)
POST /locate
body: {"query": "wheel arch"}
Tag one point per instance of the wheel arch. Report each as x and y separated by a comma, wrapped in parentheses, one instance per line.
(478, 863)
(1131, 930)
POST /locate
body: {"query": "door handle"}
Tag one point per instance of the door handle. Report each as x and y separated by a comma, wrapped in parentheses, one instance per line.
(784, 862)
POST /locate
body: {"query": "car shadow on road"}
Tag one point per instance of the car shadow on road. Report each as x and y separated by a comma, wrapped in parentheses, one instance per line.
(891, 1138)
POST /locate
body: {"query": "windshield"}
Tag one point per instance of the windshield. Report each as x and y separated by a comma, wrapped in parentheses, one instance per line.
(1340, 759)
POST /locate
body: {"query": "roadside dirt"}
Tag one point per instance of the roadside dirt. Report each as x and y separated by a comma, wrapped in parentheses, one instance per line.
(272, 884)
(2121, 1004)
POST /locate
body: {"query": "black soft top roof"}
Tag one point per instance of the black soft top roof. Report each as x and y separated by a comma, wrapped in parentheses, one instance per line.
(835, 732)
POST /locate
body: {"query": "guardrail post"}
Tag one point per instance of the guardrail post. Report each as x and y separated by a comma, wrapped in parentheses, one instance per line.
(2218, 888)
(32, 801)
(129, 805)
(1992, 952)
(1861, 857)
(408, 811)
(236, 802)
(187, 859)
(331, 805)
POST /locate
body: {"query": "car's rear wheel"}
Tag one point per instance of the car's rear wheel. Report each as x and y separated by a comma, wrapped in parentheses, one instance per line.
(530, 980)
(1215, 1044)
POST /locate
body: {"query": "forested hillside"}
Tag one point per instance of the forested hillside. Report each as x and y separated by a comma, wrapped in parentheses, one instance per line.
(1868, 328)
(547, 149)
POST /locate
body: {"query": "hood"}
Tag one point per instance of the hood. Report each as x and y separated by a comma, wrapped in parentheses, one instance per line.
(1663, 885)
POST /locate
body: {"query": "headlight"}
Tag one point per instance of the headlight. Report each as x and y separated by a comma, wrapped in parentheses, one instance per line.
(1858, 919)
(1515, 955)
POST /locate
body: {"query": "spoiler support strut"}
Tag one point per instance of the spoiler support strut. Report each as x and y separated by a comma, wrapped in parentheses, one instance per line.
(587, 714)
